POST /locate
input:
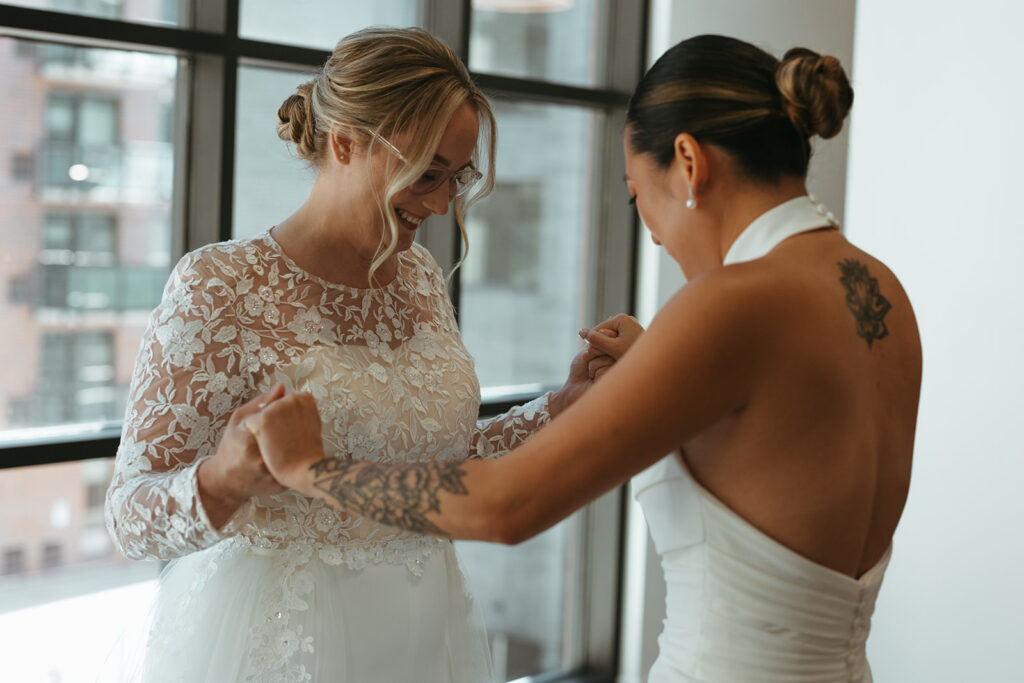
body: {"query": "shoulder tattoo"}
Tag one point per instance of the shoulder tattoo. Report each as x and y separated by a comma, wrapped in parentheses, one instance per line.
(864, 300)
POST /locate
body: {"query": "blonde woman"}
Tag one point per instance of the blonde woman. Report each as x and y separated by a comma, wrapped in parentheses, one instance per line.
(268, 584)
(785, 377)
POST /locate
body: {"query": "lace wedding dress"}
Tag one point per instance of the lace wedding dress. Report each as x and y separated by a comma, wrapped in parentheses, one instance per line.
(291, 590)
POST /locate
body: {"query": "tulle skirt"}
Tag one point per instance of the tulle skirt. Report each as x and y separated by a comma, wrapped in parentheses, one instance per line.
(228, 614)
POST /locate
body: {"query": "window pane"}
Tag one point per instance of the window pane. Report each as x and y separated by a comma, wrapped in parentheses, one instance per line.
(270, 181)
(523, 591)
(143, 11)
(85, 239)
(521, 282)
(551, 40)
(61, 576)
(320, 23)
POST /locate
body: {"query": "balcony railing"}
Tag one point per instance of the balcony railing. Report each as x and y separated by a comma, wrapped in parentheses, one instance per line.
(133, 172)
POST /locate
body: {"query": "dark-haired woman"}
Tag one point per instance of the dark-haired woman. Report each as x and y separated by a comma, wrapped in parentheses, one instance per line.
(783, 378)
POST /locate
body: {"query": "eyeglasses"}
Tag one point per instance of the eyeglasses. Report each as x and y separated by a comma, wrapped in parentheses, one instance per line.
(459, 182)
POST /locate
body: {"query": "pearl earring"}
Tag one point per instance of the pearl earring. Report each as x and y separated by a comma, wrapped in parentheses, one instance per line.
(691, 203)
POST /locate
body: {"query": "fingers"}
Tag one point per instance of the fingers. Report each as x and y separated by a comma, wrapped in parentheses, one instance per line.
(258, 403)
(601, 343)
(615, 335)
(598, 365)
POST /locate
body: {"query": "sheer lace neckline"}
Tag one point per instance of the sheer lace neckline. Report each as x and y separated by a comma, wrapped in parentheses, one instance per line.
(403, 256)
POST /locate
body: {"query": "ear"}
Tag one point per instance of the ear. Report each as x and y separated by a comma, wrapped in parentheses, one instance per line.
(691, 161)
(341, 145)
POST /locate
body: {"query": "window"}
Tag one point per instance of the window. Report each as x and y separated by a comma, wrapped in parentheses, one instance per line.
(81, 140)
(14, 560)
(150, 12)
(111, 191)
(53, 555)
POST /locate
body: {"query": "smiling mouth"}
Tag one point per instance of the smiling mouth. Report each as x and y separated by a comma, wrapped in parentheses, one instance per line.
(411, 222)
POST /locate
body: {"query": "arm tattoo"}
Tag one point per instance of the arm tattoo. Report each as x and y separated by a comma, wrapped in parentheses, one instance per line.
(400, 495)
(862, 296)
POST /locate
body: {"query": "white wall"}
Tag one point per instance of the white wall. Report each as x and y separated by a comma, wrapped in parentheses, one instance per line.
(934, 190)
(774, 25)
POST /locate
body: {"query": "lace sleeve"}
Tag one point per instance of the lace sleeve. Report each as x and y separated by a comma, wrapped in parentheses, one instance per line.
(189, 376)
(498, 435)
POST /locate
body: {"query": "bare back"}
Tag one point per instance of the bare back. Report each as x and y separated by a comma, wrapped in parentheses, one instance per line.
(819, 457)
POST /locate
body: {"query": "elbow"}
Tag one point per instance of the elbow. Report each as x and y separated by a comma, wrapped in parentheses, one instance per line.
(505, 520)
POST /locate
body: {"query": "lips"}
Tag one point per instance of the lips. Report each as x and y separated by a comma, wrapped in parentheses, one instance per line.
(408, 220)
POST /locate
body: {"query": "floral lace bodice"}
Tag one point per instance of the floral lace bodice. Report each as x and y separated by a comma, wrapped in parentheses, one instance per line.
(387, 366)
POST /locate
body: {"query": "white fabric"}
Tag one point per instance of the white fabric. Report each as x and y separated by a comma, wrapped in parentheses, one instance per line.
(773, 226)
(741, 607)
(290, 590)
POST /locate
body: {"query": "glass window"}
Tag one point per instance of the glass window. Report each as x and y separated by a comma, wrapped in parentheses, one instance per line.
(523, 593)
(270, 181)
(79, 242)
(320, 23)
(521, 298)
(550, 40)
(61, 575)
(143, 11)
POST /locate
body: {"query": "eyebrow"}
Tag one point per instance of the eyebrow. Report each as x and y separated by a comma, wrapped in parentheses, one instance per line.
(438, 157)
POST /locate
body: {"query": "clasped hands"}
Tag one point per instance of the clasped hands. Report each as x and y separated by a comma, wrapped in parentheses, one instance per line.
(271, 441)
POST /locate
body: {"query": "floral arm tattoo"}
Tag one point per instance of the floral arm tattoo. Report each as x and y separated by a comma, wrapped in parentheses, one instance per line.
(397, 495)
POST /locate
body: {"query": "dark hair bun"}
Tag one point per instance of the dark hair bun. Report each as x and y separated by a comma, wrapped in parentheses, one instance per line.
(816, 95)
(297, 123)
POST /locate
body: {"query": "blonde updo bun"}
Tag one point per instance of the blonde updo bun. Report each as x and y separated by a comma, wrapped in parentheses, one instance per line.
(389, 84)
(816, 95)
(296, 122)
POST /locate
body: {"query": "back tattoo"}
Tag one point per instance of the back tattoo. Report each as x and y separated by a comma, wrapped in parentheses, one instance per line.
(867, 303)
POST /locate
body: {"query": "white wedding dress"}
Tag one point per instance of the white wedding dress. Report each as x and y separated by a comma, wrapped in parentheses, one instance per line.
(290, 590)
(741, 607)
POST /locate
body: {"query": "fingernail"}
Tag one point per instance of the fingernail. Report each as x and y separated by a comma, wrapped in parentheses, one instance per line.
(583, 332)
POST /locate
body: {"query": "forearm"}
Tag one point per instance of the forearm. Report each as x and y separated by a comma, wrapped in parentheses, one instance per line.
(446, 499)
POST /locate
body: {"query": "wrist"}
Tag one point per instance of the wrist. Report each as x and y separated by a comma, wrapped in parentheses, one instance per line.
(299, 477)
(557, 402)
(215, 494)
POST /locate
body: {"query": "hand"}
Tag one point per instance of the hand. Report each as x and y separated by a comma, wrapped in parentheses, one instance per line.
(583, 371)
(613, 337)
(289, 438)
(236, 472)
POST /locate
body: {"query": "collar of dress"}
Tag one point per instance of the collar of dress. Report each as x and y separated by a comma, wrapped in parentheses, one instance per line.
(773, 226)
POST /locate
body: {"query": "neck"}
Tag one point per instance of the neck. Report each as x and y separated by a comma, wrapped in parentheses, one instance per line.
(744, 207)
(726, 211)
(335, 240)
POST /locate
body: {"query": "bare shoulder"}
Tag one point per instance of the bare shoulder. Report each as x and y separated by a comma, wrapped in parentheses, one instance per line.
(813, 293)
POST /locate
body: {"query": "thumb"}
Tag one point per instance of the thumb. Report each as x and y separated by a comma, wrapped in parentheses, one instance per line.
(258, 403)
(601, 341)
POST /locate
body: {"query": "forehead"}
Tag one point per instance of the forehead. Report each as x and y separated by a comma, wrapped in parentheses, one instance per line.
(460, 135)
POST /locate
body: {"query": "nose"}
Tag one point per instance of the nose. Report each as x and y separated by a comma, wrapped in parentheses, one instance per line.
(439, 200)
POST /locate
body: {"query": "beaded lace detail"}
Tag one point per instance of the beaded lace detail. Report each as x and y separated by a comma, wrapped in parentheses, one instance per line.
(387, 366)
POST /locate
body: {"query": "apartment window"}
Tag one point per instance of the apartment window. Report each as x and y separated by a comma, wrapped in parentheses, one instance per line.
(81, 233)
(81, 140)
(76, 382)
(14, 560)
(122, 193)
(53, 555)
